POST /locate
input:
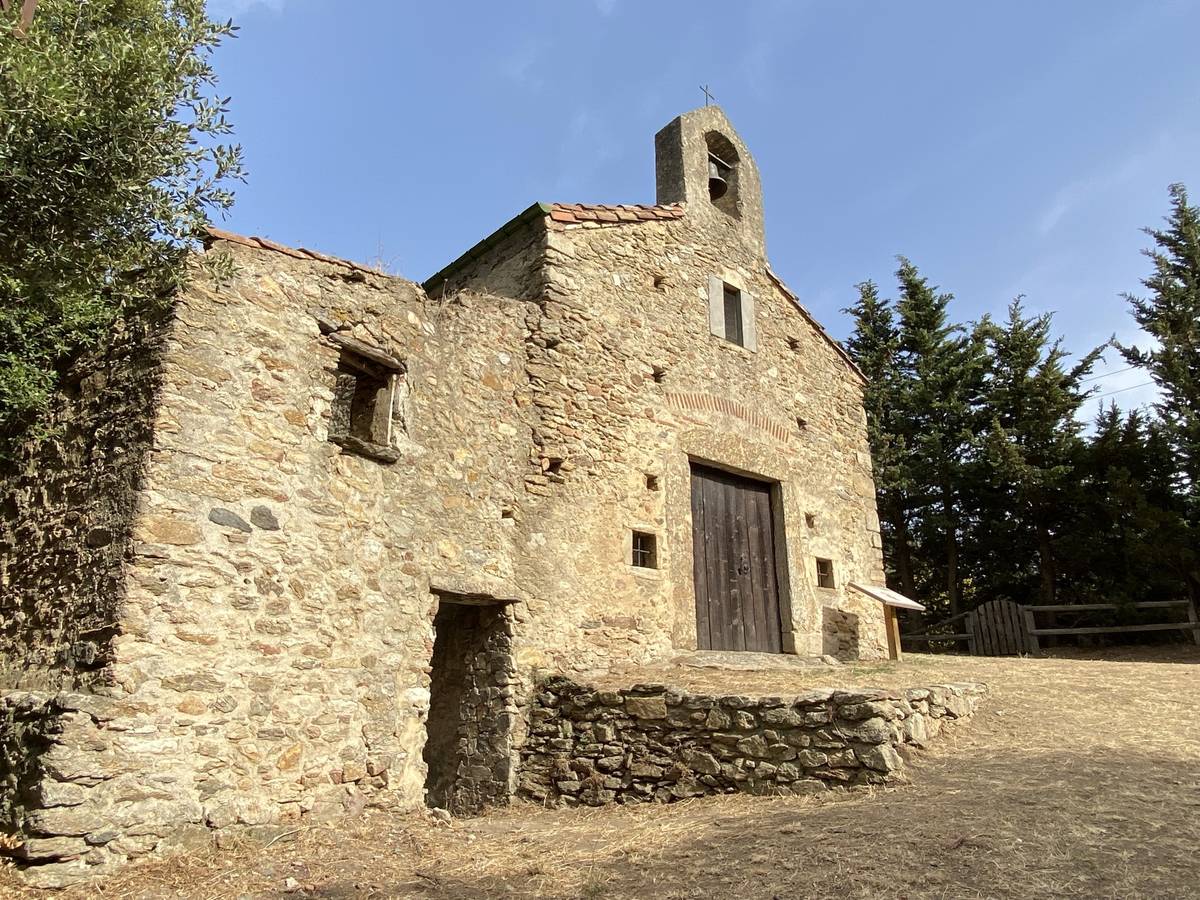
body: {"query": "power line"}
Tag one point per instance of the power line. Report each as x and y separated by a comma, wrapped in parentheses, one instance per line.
(1123, 390)
(1106, 374)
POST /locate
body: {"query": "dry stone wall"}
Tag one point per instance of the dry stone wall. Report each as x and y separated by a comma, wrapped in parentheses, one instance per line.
(651, 743)
(75, 785)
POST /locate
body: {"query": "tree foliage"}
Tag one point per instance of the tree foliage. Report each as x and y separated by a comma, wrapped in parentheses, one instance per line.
(1170, 315)
(111, 159)
(989, 486)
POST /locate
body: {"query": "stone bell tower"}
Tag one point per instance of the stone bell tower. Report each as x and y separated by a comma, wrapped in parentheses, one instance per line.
(701, 161)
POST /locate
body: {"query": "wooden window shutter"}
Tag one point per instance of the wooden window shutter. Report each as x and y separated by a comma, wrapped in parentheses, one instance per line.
(749, 332)
(716, 306)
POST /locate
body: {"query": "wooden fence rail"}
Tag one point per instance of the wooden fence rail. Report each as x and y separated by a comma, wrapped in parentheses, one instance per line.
(1004, 628)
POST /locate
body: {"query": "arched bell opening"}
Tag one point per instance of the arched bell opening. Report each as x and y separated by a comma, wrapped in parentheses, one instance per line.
(722, 173)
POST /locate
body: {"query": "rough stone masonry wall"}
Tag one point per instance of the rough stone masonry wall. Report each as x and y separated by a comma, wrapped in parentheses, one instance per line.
(642, 388)
(626, 385)
(74, 784)
(651, 743)
(66, 508)
(473, 714)
(279, 620)
(272, 661)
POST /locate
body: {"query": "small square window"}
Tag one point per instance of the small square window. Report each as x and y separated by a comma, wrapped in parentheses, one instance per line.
(363, 397)
(645, 550)
(733, 316)
(825, 573)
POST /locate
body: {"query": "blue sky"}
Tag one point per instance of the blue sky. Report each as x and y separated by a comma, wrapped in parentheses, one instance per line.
(1006, 148)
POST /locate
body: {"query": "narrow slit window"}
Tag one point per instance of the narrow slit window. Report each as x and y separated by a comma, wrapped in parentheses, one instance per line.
(731, 313)
(733, 316)
(825, 573)
(645, 550)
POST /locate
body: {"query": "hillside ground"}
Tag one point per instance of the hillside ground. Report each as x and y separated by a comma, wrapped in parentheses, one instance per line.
(1079, 777)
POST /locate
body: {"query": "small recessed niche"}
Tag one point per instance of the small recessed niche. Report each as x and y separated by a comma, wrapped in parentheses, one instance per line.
(810, 520)
(802, 423)
(660, 282)
(794, 344)
(651, 482)
(508, 513)
(658, 373)
(552, 465)
(645, 550)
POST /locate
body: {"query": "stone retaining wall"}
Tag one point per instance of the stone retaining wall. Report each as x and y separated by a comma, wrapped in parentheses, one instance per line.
(73, 790)
(651, 743)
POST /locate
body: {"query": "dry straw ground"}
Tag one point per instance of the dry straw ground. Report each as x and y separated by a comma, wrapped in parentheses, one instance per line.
(1078, 778)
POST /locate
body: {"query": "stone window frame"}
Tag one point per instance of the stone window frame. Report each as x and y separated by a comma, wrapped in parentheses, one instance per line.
(359, 360)
(631, 550)
(717, 289)
(826, 580)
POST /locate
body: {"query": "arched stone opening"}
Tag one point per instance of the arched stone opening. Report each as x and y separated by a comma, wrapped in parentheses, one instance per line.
(723, 168)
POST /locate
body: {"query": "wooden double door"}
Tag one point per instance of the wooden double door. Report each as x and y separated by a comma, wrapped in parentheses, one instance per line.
(733, 547)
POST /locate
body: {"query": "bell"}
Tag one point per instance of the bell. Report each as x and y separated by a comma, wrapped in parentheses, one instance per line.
(717, 185)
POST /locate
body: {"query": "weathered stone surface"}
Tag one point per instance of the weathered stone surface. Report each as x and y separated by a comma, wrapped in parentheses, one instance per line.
(262, 517)
(871, 731)
(881, 757)
(871, 709)
(60, 848)
(228, 519)
(646, 707)
(541, 399)
(670, 756)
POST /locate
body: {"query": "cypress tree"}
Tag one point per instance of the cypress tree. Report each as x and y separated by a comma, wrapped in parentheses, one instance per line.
(874, 345)
(1171, 315)
(1033, 439)
(941, 369)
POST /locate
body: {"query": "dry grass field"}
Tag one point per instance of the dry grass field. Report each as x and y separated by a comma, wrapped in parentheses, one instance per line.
(1079, 777)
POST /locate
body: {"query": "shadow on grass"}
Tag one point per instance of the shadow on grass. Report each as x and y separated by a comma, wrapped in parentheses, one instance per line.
(1007, 825)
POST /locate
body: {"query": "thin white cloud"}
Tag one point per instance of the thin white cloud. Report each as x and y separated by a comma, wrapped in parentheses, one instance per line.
(1100, 183)
(521, 64)
(606, 7)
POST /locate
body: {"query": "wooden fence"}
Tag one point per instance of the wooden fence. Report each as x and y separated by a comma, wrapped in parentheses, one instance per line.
(1004, 628)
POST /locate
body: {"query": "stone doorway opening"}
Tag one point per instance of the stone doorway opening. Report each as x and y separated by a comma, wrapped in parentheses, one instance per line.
(473, 711)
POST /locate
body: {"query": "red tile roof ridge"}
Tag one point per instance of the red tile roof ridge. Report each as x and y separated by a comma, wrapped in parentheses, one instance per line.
(261, 243)
(614, 213)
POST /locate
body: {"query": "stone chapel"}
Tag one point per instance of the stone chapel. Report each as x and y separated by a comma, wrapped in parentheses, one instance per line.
(305, 541)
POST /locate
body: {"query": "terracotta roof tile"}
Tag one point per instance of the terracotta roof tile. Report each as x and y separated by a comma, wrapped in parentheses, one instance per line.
(574, 213)
(212, 233)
